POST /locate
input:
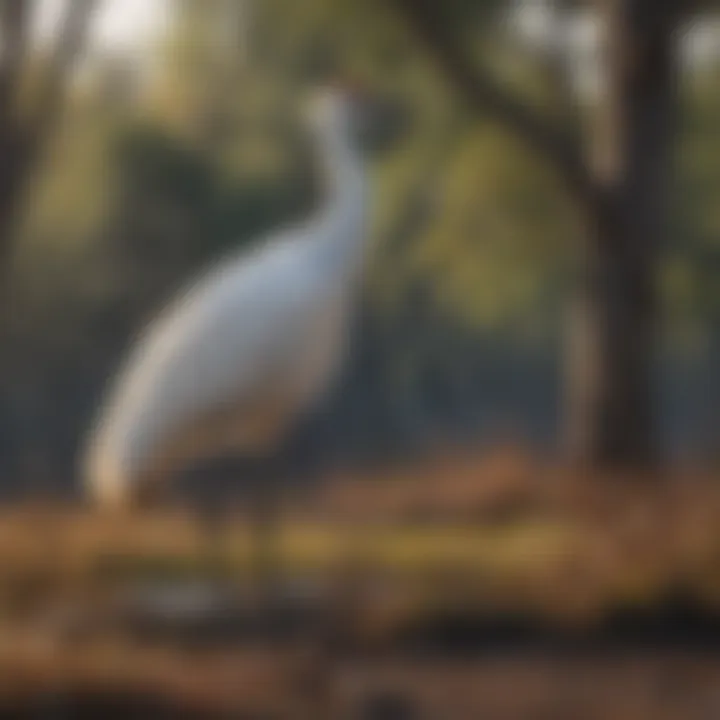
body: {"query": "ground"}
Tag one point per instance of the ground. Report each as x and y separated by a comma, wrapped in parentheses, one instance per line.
(493, 589)
(612, 684)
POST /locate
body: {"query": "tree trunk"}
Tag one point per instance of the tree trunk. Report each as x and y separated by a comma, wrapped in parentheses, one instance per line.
(14, 176)
(711, 414)
(610, 412)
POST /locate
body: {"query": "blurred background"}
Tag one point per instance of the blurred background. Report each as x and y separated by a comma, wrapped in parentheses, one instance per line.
(523, 448)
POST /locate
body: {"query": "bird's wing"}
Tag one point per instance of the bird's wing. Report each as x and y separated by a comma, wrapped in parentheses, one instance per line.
(229, 341)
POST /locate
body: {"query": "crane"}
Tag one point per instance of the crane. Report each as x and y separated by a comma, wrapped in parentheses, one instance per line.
(234, 362)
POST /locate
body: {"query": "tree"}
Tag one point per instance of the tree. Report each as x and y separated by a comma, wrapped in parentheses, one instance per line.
(691, 272)
(619, 183)
(25, 130)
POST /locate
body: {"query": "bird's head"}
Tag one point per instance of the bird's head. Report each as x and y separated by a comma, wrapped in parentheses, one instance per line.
(371, 122)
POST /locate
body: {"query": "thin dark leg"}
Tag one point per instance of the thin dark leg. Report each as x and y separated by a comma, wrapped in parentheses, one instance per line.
(214, 523)
(264, 551)
(212, 484)
(264, 538)
(257, 479)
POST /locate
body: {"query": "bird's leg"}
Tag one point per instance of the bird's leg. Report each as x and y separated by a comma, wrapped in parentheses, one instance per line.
(214, 525)
(208, 483)
(264, 530)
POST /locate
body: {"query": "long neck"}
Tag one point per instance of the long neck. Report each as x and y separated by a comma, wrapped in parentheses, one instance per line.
(342, 217)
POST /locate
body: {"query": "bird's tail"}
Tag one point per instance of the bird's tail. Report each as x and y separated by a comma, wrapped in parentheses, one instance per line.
(104, 478)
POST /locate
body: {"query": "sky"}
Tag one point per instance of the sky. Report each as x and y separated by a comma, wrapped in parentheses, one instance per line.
(130, 25)
(577, 35)
(120, 25)
(580, 31)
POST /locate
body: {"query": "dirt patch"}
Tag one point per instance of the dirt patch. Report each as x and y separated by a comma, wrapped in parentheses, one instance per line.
(589, 684)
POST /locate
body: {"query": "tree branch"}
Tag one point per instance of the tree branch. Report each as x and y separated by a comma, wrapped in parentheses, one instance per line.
(14, 17)
(486, 95)
(70, 42)
(21, 141)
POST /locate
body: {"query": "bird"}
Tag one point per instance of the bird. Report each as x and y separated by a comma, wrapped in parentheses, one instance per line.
(238, 358)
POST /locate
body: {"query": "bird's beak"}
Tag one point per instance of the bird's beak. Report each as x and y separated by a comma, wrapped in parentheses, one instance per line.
(381, 122)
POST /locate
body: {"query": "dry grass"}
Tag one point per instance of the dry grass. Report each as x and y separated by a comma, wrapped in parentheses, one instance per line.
(264, 684)
(501, 531)
(485, 537)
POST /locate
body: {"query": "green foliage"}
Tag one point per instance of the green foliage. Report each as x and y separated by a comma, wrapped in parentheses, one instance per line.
(500, 238)
(693, 265)
(472, 238)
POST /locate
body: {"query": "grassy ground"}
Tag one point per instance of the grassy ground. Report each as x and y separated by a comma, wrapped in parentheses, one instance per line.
(496, 532)
(122, 681)
(397, 554)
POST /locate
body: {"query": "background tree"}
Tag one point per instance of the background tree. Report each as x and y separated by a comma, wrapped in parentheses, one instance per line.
(27, 116)
(620, 184)
(168, 156)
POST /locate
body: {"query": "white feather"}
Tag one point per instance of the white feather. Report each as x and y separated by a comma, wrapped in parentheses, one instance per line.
(249, 347)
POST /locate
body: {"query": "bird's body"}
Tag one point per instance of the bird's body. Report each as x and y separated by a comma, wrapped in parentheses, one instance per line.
(235, 360)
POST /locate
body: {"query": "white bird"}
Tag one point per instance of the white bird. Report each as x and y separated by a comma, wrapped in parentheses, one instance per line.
(234, 362)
